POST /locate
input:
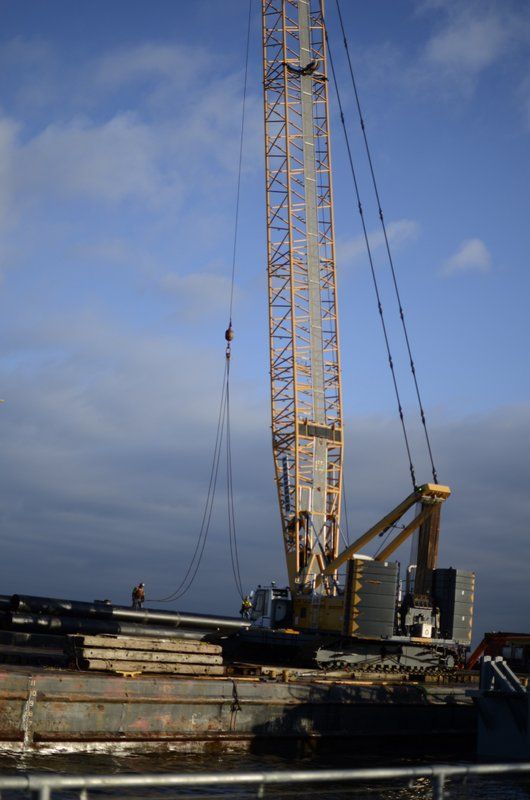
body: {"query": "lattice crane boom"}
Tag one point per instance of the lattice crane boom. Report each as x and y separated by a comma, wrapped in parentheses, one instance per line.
(306, 398)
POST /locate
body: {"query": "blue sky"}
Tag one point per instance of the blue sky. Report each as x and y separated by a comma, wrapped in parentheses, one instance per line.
(119, 126)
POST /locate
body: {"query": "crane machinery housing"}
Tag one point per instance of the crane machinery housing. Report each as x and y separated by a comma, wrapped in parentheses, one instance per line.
(343, 607)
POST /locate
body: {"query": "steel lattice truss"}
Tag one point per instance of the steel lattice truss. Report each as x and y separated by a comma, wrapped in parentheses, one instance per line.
(304, 346)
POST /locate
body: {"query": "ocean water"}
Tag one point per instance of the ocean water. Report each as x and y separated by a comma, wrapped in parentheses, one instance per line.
(510, 788)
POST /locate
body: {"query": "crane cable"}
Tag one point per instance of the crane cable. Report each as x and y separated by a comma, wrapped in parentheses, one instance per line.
(223, 420)
(345, 531)
(240, 163)
(387, 243)
(202, 537)
(371, 261)
(229, 334)
(232, 532)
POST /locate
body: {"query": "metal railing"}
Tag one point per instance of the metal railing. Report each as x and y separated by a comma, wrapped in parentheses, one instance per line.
(42, 786)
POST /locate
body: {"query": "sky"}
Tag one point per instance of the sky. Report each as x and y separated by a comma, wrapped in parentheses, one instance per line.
(119, 144)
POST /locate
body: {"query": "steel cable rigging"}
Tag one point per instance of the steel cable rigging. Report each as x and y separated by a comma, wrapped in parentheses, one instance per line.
(371, 262)
(202, 537)
(387, 243)
(232, 533)
(229, 335)
(223, 421)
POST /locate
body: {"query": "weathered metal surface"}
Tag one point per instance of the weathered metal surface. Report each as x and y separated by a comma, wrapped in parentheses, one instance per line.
(71, 709)
(31, 640)
(38, 656)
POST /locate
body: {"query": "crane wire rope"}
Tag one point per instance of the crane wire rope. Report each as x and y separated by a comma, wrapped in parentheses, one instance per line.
(229, 335)
(387, 243)
(223, 420)
(389, 532)
(345, 529)
(202, 537)
(232, 535)
(240, 163)
(371, 260)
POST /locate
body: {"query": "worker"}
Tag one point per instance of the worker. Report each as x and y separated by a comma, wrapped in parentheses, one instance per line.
(138, 596)
(246, 607)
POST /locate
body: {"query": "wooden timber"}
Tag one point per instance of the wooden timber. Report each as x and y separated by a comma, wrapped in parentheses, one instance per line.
(144, 643)
(117, 665)
(130, 655)
(139, 655)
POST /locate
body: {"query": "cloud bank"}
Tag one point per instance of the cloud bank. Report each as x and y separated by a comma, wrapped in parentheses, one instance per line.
(471, 256)
(105, 479)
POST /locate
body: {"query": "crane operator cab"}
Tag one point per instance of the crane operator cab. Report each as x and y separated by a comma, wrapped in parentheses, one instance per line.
(271, 607)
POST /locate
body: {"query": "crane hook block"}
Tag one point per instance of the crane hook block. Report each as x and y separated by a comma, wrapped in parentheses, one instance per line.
(229, 333)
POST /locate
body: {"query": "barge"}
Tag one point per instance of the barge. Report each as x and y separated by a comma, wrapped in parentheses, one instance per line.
(53, 710)
(175, 685)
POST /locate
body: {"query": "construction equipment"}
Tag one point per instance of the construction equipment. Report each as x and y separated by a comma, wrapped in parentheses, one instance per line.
(364, 605)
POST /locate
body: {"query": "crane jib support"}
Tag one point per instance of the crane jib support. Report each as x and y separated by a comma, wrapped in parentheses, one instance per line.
(303, 325)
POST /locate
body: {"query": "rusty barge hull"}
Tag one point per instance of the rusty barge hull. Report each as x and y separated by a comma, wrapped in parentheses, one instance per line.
(59, 710)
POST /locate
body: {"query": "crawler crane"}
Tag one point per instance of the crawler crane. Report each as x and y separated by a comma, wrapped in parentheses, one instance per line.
(342, 607)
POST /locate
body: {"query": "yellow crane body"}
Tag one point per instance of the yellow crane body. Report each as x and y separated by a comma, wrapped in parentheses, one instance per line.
(332, 590)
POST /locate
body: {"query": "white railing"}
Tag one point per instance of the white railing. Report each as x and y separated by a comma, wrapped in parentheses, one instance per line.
(43, 786)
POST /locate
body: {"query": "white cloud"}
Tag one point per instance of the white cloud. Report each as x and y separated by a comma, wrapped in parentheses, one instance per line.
(109, 162)
(401, 231)
(199, 97)
(462, 41)
(471, 256)
(469, 43)
(161, 154)
(8, 133)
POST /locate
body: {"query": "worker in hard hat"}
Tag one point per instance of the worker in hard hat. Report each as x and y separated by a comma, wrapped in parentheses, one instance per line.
(138, 596)
(246, 607)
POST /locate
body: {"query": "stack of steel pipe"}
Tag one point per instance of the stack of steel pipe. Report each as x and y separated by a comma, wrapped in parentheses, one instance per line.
(56, 616)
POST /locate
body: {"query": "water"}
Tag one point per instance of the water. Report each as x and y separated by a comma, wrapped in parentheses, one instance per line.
(419, 789)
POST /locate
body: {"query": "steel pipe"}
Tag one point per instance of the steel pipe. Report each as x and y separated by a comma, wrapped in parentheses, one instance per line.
(107, 611)
(35, 782)
(63, 625)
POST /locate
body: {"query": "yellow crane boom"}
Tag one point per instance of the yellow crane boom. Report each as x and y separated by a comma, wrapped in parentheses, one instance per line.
(303, 324)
